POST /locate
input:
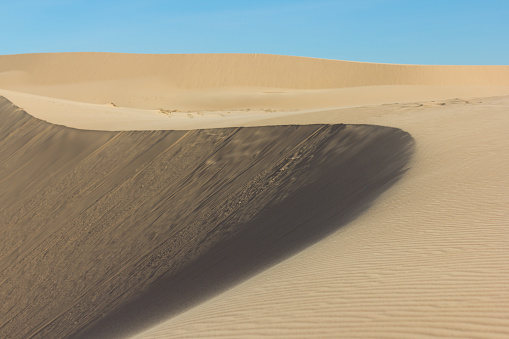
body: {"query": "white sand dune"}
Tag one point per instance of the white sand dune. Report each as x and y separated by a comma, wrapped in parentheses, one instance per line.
(428, 260)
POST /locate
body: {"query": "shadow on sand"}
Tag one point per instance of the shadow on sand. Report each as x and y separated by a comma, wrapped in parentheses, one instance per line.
(107, 233)
(338, 181)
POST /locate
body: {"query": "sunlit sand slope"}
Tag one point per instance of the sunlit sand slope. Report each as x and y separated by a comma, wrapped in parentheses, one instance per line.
(200, 82)
(222, 70)
(106, 232)
(428, 260)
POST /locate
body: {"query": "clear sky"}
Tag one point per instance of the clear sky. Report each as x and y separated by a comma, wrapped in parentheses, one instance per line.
(392, 31)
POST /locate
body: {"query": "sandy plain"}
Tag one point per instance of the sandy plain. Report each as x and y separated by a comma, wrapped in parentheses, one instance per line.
(428, 258)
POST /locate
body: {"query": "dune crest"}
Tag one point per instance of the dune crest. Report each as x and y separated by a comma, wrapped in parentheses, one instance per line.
(428, 260)
(80, 90)
(98, 225)
(194, 71)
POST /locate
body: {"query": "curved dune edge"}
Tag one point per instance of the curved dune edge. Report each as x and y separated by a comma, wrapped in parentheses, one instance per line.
(143, 220)
(108, 91)
(215, 113)
(428, 260)
(436, 268)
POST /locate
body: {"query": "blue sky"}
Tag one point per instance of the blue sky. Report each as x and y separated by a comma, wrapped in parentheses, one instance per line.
(392, 31)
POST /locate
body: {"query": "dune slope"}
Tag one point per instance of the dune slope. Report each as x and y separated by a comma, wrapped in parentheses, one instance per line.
(428, 260)
(130, 91)
(194, 71)
(97, 226)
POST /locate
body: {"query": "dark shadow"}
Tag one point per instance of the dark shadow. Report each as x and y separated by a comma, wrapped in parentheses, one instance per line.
(331, 188)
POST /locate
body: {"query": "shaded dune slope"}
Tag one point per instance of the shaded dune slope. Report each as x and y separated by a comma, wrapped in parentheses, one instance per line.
(104, 233)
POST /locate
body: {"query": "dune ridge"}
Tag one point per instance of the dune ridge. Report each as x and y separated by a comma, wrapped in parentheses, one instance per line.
(225, 82)
(95, 224)
(428, 260)
(192, 71)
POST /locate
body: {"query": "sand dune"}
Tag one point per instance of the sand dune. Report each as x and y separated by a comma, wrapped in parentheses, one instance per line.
(194, 71)
(204, 86)
(217, 114)
(427, 259)
(160, 220)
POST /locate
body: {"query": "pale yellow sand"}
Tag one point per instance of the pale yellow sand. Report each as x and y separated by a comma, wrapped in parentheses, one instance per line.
(106, 91)
(85, 115)
(428, 260)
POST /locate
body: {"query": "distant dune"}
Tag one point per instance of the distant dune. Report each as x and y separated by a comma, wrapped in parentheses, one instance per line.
(129, 91)
(193, 71)
(428, 260)
(268, 196)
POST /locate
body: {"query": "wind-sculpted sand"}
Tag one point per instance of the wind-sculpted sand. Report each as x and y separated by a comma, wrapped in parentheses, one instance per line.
(109, 91)
(97, 226)
(428, 260)
(299, 229)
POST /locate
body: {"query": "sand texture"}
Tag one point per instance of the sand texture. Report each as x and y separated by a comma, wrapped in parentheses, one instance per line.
(108, 91)
(428, 260)
(156, 221)
(252, 196)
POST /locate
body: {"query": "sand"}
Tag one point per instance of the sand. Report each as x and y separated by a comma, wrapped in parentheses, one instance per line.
(107, 91)
(160, 220)
(426, 259)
